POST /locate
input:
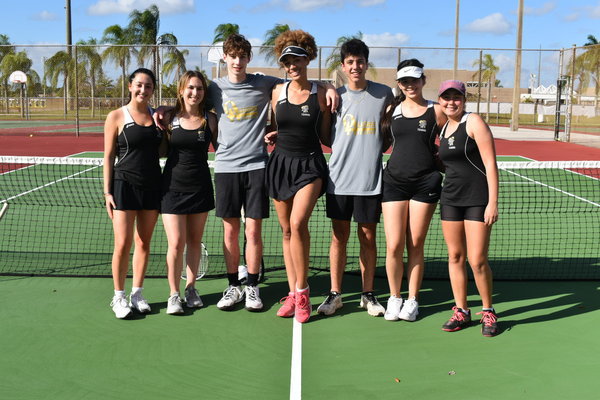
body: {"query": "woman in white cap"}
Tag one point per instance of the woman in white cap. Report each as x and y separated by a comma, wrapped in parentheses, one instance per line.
(411, 186)
(297, 170)
(469, 204)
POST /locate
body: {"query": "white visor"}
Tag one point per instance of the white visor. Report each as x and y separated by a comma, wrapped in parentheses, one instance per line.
(409, 72)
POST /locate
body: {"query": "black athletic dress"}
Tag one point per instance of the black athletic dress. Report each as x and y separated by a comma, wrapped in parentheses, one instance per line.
(298, 157)
(465, 184)
(136, 176)
(186, 181)
(411, 172)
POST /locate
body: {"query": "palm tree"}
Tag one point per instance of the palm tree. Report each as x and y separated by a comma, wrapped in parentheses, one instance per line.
(61, 64)
(175, 62)
(223, 31)
(587, 67)
(17, 62)
(333, 61)
(92, 63)
(489, 70)
(143, 27)
(267, 48)
(5, 49)
(119, 37)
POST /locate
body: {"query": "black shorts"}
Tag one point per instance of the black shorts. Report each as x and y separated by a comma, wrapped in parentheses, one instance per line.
(426, 189)
(235, 190)
(129, 197)
(286, 174)
(187, 203)
(469, 213)
(364, 209)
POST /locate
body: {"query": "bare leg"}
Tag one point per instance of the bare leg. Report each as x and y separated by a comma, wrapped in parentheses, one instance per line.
(419, 218)
(145, 222)
(395, 215)
(337, 252)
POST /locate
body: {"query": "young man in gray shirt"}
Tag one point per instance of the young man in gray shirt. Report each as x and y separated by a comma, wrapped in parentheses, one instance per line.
(355, 169)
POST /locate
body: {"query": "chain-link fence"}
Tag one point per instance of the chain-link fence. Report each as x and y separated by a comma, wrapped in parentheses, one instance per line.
(82, 83)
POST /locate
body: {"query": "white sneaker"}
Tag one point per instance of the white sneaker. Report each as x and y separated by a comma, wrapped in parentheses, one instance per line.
(138, 302)
(332, 303)
(370, 302)
(253, 302)
(120, 306)
(231, 296)
(410, 310)
(174, 305)
(192, 298)
(394, 305)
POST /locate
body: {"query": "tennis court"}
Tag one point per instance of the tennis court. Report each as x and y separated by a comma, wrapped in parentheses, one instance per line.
(62, 341)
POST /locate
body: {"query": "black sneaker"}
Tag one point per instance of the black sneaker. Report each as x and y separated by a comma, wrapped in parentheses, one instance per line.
(458, 321)
(489, 323)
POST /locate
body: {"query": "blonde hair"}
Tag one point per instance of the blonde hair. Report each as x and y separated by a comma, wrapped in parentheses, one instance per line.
(296, 38)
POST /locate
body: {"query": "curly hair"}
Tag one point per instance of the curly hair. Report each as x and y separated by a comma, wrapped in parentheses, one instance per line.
(237, 45)
(296, 38)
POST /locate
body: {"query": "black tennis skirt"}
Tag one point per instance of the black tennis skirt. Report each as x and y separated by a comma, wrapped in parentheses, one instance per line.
(130, 197)
(187, 203)
(286, 174)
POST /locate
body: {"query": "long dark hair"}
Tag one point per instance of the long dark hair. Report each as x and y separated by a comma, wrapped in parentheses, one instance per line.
(145, 71)
(386, 119)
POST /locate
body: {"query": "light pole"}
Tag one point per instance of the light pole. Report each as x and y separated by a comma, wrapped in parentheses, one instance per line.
(456, 40)
(516, 92)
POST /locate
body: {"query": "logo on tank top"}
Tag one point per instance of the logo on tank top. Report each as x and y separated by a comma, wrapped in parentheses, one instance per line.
(200, 137)
(451, 143)
(422, 125)
(354, 127)
(235, 113)
(304, 111)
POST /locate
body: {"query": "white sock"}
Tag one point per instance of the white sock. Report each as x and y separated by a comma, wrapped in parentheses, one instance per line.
(135, 290)
(119, 293)
(301, 290)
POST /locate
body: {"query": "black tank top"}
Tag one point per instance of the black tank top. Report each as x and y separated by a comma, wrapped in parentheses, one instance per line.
(298, 125)
(186, 169)
(414, 139)
(137, 154)
(465, 183)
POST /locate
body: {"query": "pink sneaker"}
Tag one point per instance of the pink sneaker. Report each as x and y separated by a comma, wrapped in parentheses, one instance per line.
(288, 307)
(303, 307)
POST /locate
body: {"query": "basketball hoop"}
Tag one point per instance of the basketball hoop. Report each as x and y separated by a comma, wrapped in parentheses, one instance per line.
(18, 77)
(215, 53)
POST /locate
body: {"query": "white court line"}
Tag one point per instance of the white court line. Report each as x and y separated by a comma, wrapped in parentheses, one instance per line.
(296, 371)
(553, 188)
(49, 184)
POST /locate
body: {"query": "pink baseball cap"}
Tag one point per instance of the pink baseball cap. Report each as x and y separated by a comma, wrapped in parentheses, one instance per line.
(452, 84)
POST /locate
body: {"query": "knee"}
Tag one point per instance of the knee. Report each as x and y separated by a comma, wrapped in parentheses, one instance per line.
(367, 240)
(456, 257)
(298, 227)
(479, 265)
(142, 244)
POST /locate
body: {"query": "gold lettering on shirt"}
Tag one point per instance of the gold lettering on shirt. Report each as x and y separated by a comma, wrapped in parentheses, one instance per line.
(354, 127)
(233, 113)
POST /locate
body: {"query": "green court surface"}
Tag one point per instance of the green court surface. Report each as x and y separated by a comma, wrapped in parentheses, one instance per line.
(60, 340)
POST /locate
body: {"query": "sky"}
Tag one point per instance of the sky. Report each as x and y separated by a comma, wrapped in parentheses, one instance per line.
(404, 23)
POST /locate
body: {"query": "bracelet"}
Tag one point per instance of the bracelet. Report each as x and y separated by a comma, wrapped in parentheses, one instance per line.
(107, 194)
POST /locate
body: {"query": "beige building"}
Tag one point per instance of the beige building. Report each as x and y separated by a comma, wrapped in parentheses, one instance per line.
(387, 76)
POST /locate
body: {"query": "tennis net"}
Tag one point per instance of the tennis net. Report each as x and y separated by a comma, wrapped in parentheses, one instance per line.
(53, 222)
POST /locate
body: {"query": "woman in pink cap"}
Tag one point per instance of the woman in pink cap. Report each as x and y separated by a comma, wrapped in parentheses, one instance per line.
(469, 204)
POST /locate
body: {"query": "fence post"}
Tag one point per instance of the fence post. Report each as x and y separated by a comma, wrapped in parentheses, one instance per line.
(76, 93)
(479, 80)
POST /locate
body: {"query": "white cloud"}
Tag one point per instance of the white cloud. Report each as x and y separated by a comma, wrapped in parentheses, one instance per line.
(385, 39)
(494, 23)
(595, 11)
(544, 9)
(104, 7)
(310, 5)
(369, 3)
(572, 17)
(45, 16)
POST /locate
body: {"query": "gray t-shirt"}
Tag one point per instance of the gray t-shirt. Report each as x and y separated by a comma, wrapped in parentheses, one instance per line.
(242, 111)
(355, 163)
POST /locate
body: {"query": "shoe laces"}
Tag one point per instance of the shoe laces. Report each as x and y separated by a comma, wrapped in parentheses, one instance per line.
(285, 299)
(251, 293)
(229, 292)
(192, 292)
(488, 318)
(330, 297)
(302, 302)
(458, 315)
(371, 298)
(121, 301)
